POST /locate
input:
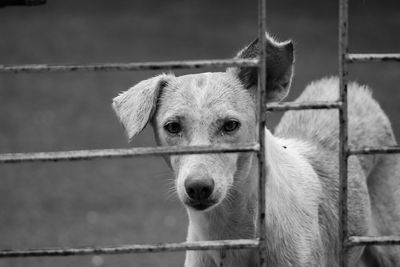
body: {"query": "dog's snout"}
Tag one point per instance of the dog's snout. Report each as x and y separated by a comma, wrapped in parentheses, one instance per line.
(199, 189)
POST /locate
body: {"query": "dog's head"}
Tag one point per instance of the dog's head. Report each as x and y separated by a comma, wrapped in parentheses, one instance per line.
(206, 109)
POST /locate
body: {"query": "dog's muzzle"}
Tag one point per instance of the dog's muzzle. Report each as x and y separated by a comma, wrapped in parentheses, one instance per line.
(199, 193)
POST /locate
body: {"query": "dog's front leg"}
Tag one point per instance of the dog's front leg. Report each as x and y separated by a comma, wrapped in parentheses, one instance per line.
(198, 259)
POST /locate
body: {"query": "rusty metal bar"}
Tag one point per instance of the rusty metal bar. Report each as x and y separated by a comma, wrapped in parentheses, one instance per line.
(147, 248)
(374, 240)
(375, 150)
(366, 58)
(303, 105)
(261, 119)
(124, 153)
(343, 132)
(184, 64)
(4, 3)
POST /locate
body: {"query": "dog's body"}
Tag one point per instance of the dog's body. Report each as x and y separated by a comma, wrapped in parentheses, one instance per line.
(220, 190)
(373, 180)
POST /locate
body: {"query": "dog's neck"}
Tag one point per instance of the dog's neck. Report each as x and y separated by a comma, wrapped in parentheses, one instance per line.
(235, 217)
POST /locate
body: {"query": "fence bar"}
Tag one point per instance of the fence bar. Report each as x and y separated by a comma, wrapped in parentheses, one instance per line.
(303, 105)
(374, 240)
(261, 119)
(197, 245)
(184, 64)
(343, 134)
(365, 58)
(375, 150)
(124, 153)
(4, 3)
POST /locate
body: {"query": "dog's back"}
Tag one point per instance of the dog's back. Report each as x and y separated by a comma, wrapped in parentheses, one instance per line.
(368, 126)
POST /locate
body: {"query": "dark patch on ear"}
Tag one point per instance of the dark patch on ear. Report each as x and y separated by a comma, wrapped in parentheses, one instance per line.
(250, 51)
(248, 75)
(280, 61)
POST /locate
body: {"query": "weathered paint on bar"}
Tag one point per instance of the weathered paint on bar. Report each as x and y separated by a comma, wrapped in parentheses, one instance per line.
(369, 58)
(135, 66)
(146, 248)
(284, 106)
(374, 240)
(124, 153)
(343, 130)
(374, 150)
(261, 122)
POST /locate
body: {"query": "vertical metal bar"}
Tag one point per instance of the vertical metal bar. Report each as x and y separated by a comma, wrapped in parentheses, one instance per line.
(343, 133)
(262, 85)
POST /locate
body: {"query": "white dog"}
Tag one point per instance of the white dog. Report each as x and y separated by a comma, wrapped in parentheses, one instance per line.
(219, 191)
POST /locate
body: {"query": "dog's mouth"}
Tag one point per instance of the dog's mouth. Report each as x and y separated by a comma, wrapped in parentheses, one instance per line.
(200, 205)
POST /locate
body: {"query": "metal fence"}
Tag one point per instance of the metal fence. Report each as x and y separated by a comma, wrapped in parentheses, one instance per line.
(259, 243)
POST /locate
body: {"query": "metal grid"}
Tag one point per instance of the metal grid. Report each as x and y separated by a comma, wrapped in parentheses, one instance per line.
(346, 58)
(260, 243)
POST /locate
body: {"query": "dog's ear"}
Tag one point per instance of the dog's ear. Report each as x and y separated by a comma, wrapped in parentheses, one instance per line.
(135, 107)
(280, 59)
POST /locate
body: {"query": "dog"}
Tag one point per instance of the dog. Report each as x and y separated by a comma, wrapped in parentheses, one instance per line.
(219, 191)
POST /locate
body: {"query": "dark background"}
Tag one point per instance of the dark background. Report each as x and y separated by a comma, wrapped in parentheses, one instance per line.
(129, 201)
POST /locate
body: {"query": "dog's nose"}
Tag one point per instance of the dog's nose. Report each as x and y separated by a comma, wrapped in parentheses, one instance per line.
(199, 189)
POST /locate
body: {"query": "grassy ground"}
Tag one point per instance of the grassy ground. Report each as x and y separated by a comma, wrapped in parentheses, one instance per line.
(128, 201)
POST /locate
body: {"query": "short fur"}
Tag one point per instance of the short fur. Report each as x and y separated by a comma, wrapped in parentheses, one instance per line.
(301, 162)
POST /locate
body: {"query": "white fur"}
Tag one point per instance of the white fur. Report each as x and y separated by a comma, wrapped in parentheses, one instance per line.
(301, 162)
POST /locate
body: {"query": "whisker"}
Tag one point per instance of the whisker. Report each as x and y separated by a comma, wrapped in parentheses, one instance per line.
(171, 189)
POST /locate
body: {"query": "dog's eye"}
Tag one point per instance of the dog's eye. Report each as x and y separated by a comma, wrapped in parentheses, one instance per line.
(230, 126)
(173, 127)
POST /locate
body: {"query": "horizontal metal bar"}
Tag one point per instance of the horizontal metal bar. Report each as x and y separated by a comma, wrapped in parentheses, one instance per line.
(4, 3)
(124, 153)
(198, 245)
(184, 64)
(303, 105)
(363, 58)
(374, 150)
(373, 240)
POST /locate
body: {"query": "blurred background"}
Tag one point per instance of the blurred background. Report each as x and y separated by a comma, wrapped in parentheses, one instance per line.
(125, 201)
